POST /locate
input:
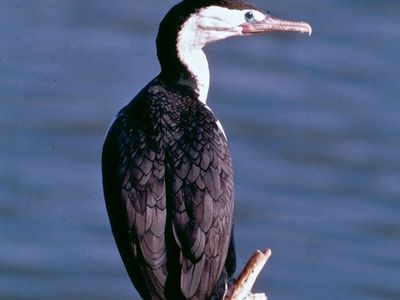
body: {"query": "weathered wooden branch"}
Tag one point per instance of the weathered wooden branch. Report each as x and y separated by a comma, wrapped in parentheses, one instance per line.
(241, 288)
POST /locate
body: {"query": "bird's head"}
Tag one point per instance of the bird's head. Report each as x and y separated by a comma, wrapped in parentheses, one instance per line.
(199, 22)
(192, 24)
(215, 20)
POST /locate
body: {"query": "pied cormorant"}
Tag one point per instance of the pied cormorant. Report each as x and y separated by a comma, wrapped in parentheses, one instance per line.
(167, 170)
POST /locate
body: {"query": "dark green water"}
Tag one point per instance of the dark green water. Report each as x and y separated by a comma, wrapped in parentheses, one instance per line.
(313, 124)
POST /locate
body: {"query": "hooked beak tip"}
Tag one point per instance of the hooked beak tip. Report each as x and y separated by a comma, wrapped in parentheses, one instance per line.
(308, 29)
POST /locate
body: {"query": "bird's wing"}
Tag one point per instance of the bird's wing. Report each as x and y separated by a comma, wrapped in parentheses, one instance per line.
(201, 173)
(170, 196)
(134, 187)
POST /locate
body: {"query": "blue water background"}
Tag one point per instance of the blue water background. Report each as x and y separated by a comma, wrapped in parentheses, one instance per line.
(313, 124)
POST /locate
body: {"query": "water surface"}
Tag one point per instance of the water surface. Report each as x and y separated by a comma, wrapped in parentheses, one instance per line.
(313, 125)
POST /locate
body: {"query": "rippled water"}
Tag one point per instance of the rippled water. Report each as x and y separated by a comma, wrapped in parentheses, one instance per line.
(313, 125)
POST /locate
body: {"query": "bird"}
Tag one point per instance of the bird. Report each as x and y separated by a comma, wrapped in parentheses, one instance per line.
(166, 164)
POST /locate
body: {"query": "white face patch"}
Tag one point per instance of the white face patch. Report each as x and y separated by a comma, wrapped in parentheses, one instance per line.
(258, 16)
(208, 25)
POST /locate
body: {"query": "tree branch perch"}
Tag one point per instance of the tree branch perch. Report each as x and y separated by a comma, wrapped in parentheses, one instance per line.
(241, 288)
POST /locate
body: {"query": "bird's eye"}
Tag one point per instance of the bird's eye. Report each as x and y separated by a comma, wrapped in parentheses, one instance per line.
(249, 16)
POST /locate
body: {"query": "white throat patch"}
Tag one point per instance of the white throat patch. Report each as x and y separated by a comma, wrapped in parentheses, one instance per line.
(207, 25)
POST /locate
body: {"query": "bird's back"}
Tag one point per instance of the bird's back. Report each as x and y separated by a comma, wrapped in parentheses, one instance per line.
(168, 185)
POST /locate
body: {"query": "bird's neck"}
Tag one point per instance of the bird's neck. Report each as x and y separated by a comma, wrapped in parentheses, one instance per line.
(195, 61)
(183, 62)
(188, 67)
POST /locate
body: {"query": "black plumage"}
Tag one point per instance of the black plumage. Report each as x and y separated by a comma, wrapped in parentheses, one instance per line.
(168, 186)
(167, 176)
(167, 170)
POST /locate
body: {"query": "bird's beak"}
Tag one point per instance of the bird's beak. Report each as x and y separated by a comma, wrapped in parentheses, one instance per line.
(270, 24)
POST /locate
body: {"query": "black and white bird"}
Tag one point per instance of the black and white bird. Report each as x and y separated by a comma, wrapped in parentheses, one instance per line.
(167, 170)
